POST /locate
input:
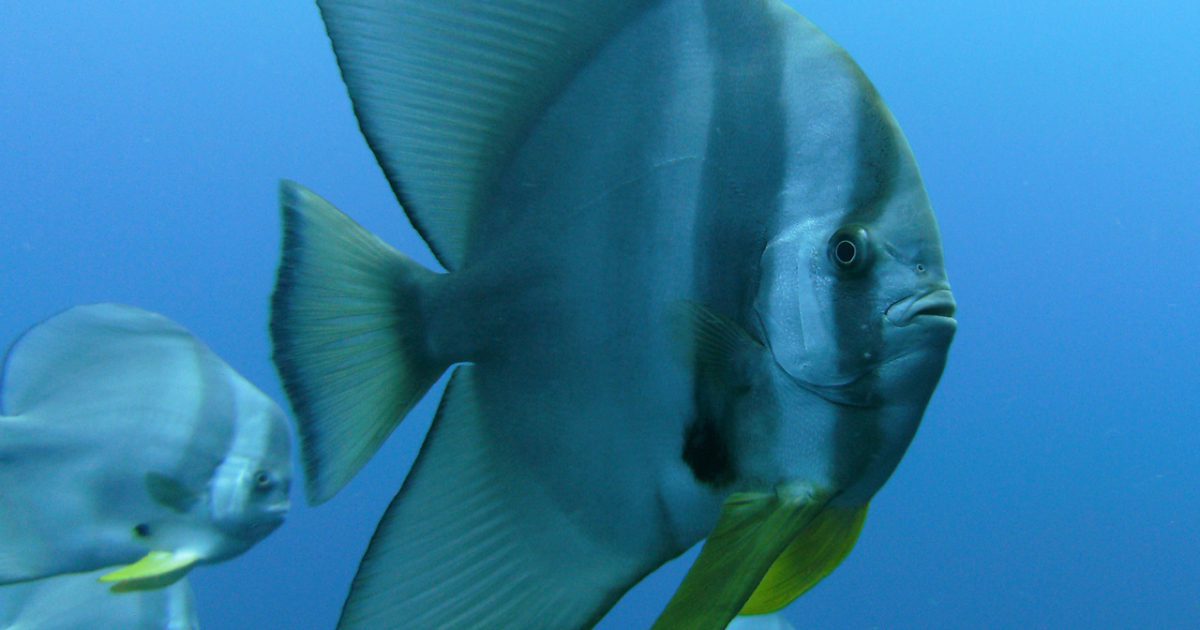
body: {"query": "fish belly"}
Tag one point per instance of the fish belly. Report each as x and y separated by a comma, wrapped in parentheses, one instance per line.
(590, 240)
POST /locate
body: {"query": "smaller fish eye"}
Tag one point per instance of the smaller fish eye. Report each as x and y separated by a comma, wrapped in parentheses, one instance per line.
(920, 268)
(141, 530)
(263, 480)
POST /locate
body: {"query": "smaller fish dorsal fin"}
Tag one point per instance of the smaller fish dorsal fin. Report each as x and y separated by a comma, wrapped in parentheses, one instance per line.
(444, 90)
(100, 356)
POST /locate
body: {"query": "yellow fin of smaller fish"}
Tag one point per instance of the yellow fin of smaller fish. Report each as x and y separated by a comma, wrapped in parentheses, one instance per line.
(811, 556)
(753, 530)
(155, 570)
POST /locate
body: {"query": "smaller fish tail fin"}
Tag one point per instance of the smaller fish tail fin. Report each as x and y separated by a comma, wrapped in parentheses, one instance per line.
(348, 335)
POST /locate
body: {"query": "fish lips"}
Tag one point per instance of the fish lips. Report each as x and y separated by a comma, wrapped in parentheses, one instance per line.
(932, 307)
(253, 527)
(275, 514)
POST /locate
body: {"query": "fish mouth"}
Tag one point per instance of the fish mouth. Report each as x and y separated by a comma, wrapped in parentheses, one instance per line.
(938, 303)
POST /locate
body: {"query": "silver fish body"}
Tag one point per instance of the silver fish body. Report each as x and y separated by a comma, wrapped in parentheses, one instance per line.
(124, 437)
(690, 261)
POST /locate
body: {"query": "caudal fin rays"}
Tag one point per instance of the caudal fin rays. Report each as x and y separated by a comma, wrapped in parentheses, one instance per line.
(349, 343)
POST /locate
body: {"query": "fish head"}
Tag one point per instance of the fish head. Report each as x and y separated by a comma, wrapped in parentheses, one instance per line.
(840, 301)
(249, 495)
(854, 304)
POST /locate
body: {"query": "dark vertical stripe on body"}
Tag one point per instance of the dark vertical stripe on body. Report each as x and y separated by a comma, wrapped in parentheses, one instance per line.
(858, 436)
(743, 172)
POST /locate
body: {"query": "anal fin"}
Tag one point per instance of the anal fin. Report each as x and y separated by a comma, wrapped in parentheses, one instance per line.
(473, 540)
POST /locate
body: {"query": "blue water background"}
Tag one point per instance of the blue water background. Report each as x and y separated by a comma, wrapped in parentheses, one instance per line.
(1054, 482)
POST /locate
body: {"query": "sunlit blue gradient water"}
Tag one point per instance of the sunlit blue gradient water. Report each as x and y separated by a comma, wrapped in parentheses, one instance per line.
(1054, 482)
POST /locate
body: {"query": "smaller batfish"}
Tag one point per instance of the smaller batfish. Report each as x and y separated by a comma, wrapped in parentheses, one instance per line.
(126, 441)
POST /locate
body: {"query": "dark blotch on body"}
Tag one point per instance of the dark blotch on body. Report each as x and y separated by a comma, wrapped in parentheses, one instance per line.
(706, 452)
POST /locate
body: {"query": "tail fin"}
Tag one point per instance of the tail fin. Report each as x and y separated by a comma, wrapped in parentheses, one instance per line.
(349, 342)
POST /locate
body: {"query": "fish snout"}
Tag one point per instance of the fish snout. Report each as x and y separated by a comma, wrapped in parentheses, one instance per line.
(266, 522)
(937, 303)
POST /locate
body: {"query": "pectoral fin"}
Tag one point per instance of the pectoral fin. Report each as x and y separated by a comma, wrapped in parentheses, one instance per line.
(170, 492)
(156, 570)
(754, 529)
(811, 556)
(707, 339)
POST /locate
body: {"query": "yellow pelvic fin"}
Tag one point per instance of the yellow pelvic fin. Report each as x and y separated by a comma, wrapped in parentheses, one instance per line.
(811, 556)
(753, 530)
(156, 570)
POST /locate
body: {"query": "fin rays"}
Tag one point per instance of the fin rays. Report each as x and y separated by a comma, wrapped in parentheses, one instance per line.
(470, 540)
(442, 91)
(348, 336)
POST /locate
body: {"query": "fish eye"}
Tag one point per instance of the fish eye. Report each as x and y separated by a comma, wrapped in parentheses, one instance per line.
(849, 248)
(264, 480)
(845, 252)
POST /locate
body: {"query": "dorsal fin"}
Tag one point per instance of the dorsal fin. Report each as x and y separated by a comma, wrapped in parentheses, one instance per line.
(105, 356)
(444, 90)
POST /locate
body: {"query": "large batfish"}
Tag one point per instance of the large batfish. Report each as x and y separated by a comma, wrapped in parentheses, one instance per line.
(78, 601)
(125, 441)
(694, 288)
